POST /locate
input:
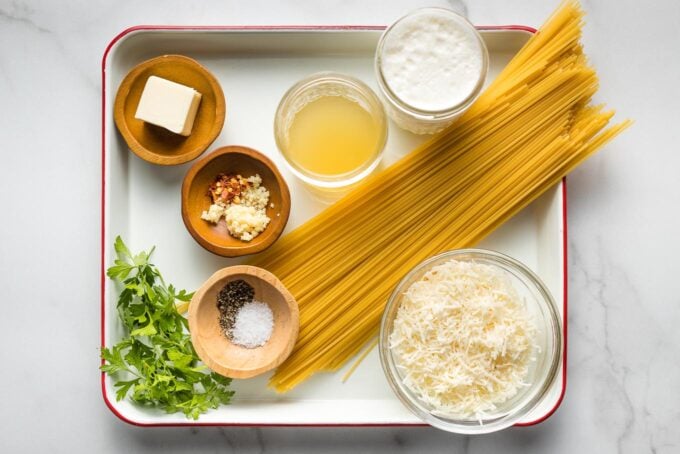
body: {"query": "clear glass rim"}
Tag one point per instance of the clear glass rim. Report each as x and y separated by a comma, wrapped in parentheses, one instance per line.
(464, 426)
(378, 113)
(424, 114)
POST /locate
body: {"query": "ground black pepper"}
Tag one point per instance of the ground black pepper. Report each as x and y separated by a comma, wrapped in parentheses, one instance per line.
(230, 299)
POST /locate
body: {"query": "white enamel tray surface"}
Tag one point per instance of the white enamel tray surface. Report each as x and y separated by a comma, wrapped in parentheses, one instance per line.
(141, 202)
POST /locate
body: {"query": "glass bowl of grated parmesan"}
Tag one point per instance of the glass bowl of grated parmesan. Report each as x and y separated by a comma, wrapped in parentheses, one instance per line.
(471, 341)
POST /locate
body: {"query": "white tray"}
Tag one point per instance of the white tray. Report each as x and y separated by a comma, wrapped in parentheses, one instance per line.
(141, 202)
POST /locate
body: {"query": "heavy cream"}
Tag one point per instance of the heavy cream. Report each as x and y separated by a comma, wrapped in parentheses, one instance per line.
(432, 60)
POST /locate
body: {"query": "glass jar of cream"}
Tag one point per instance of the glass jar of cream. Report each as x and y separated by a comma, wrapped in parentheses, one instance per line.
(430, 65)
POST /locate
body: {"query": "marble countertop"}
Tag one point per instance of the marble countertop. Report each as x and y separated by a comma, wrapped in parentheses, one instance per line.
(624, 215)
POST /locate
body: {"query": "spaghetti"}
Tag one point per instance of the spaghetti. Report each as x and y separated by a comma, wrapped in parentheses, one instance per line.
(531, 126)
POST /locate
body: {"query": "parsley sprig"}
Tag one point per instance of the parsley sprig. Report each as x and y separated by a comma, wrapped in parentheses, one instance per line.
(156, 364)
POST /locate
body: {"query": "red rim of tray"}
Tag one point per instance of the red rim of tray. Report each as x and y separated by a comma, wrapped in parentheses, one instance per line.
(105, 395)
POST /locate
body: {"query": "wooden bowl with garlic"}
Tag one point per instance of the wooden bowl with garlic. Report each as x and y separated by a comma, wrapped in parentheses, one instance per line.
(152, 90)
(235, 201)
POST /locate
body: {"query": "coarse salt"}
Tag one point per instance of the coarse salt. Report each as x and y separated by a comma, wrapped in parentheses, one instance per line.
(254, 325)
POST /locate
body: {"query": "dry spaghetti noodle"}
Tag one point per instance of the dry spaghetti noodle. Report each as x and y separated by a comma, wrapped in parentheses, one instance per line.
(531, 127)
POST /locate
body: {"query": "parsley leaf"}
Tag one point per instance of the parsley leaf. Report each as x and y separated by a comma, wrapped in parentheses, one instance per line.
(156, 364)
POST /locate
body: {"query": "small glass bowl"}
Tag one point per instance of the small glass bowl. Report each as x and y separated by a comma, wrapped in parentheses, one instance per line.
(329, 84)
(411, 118)
(542, 371)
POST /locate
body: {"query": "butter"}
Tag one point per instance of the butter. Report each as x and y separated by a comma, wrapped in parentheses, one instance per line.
(169, 105)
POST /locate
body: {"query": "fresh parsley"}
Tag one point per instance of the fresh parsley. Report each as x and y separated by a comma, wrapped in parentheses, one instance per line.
(156, 364)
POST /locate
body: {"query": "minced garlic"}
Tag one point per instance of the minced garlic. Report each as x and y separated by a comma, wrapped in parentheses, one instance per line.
(242, 202)
(214, 213)
(245, 222)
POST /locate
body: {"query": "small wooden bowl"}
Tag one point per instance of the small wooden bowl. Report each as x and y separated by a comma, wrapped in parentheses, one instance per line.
(220, 354)
(195, 199)
(158, 145)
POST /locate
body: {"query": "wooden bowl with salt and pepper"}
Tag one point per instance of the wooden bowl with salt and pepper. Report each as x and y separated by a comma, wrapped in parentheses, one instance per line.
(216, 350)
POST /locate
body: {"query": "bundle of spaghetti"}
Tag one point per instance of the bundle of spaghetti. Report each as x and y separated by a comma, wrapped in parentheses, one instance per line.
(530, 127)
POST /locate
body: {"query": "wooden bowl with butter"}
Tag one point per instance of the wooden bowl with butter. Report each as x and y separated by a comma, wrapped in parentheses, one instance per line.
(196, 199)
(154, 143)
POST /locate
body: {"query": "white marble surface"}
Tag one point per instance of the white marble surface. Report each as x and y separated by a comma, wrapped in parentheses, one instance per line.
(624, 347)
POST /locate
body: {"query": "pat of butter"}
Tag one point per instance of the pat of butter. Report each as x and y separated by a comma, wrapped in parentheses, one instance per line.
(169, 105)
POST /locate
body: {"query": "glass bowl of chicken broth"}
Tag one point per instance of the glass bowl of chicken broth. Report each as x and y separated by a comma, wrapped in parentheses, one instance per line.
(331, 130)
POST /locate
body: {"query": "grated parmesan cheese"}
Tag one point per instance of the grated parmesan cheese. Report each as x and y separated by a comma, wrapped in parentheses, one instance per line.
(463, 339)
